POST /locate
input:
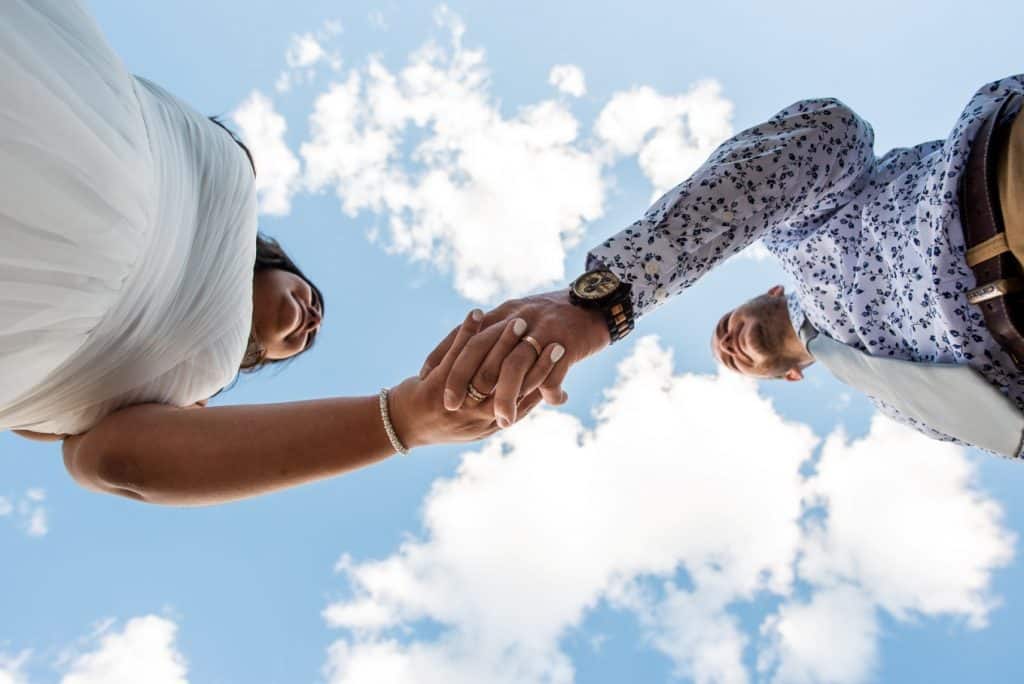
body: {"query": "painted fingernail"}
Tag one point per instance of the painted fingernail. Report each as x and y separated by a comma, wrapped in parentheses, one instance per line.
(519, 326)
(557, 352)
(449, 400)
(503, 422)
(477, 315)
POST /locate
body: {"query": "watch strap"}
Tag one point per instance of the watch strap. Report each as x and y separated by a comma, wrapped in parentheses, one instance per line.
(618, 313)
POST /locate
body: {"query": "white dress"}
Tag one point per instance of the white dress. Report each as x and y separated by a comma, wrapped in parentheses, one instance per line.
(127, 232)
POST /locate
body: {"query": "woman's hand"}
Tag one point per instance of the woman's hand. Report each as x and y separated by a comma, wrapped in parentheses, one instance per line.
(417, 405)
(565, 333)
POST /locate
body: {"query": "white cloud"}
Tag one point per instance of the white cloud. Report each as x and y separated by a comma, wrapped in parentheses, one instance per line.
(905, 519)
(144, 651)
(671, 135)
(387, 661)
(277, 169)
(306, 52)
(28, 511)
(33, 512)
(668, 511)
(11, 668)
(569, 79)
(833, 638)
(693, 628)
(36, 526)
(756, 252)
(284, 82)
(496, 199)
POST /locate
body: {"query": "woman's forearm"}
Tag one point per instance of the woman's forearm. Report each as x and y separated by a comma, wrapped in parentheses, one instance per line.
(200, 456)
(168, 455)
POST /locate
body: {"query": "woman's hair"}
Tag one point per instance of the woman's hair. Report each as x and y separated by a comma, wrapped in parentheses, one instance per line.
(269, 254)
(238, 141)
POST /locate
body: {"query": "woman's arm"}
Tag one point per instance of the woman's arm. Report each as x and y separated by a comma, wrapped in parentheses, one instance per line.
(38, 436)
(49, 437)
(168, 455)
(162, 454)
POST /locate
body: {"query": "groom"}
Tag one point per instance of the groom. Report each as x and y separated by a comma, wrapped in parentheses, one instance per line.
(913, 258)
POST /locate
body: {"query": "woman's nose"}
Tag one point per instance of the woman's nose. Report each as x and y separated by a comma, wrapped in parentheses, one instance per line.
(314, 318)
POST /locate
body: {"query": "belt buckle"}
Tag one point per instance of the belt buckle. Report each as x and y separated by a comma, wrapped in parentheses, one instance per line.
(997, 288)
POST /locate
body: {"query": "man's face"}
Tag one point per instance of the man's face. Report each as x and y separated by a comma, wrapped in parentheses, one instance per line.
(757, 339)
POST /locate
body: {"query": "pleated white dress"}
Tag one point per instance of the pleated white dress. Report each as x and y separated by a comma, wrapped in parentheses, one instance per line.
(127, 232)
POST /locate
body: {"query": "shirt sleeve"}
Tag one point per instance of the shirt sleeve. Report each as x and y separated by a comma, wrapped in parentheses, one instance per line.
(788, 174)
(894, 413)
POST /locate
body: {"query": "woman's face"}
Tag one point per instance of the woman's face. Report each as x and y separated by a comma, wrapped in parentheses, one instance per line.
(286, 312)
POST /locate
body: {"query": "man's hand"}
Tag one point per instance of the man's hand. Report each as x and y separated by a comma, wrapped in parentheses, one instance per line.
(499, 361)
(418, 414)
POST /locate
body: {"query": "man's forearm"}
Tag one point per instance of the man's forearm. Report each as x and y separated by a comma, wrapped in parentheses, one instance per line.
(801, 163)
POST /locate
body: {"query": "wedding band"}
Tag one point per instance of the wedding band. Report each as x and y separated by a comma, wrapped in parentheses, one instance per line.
(533, 343)
(475, 394)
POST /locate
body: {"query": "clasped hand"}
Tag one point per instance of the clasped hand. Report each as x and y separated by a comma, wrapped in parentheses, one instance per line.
(494, 368)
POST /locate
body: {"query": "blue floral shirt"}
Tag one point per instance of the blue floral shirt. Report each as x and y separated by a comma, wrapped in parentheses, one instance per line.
(874, 245)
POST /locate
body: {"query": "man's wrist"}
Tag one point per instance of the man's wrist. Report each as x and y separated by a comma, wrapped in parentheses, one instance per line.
(602, 290)
(592, 322)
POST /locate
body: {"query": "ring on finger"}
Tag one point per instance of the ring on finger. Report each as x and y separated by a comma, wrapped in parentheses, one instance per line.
(475, 394)
(532, 341)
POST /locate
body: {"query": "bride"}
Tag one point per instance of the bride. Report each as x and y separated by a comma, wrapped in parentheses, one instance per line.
(134, 286)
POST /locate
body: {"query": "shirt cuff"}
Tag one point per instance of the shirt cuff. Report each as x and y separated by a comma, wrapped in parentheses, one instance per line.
(642, 294)
(594, 262)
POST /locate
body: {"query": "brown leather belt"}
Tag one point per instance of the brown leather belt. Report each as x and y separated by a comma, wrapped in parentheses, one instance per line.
(1000, 279)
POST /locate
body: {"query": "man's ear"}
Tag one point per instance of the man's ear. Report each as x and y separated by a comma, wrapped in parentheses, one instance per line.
(794, 374)
(776, 291)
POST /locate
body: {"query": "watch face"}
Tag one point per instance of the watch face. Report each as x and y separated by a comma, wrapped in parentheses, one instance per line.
(595, 285)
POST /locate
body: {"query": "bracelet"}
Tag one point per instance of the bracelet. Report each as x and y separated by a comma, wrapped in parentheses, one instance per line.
(396, 443)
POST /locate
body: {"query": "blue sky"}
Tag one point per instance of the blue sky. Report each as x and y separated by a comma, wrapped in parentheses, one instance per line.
(667, 524)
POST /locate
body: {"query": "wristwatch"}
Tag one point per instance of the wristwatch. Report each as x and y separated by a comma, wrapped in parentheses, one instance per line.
(600, 289)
